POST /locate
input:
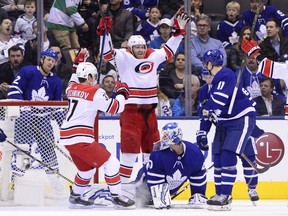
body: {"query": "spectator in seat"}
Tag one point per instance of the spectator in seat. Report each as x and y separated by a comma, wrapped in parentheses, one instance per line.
(163, 107)
(10, 69)
(23, 25)
(122, 27)
(148, 28)
(274, 46)
(203, 42)
(265, 13)
(178, 108)
(63, 20)
(267, 104)
(7, 39)
(196, 11)
(13, 8)
(228, 29)
(171, 78)
(236, 54)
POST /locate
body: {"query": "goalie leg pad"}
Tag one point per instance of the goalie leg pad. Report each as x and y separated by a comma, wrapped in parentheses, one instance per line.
(161, 196)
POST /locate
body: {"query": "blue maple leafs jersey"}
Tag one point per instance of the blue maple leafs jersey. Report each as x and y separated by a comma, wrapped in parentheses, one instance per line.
(30, 84)
(268, 13)
(221, 91)
(167, 167)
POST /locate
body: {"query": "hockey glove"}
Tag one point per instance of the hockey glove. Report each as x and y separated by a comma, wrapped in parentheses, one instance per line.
(122, 88)
(250, 47)
(202, 142)
(179, 24)
(2, 136)
(210, 116)
(82, 56)
(105, 25)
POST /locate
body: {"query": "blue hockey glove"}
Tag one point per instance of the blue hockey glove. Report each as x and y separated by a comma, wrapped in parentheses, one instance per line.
(210, 116)
(202, 141)
(2, 136)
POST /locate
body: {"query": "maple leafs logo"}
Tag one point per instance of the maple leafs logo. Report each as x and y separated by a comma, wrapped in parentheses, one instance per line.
(39, 95)
(176, 179)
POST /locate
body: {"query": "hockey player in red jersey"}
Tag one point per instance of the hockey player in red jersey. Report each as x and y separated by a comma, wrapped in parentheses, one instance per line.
(269, 68)
(77, 134)
(137, 66)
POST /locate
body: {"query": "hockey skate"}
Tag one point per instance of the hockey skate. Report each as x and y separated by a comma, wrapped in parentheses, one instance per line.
(253, 195)
(123, 202)
(219, 203)
(197, 201)
(76, 202)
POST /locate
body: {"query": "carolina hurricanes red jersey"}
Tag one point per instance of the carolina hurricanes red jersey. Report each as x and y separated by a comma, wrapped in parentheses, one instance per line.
(141, 74)
(276, 70)
(84, 103)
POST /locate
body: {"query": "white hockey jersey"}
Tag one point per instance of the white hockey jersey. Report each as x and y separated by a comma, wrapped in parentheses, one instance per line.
(84, 103)
(141, 74)
(276, 70)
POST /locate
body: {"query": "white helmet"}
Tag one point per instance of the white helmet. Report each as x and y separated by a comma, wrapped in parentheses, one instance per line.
(86, 68)
(171, 135)
(136, 40)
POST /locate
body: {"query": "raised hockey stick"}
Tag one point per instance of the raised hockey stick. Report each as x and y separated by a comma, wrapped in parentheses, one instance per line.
(243, 62)
(258, 170)
(187, 186)
(39, 161)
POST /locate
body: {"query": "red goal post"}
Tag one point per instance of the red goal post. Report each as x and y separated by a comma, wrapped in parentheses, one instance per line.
(24, 123)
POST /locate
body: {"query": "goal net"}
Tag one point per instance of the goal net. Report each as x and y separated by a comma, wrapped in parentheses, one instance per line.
(31, 152)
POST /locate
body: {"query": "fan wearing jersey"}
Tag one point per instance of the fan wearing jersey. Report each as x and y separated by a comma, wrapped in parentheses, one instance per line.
(232, 130)
(171, 164)
(137, 66)
(37, 83)
(77, 134)
(269, 68)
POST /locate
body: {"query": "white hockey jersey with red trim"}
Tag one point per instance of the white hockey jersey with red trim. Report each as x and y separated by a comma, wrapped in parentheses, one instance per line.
(84, 103)
(276, 70)
(141, 74)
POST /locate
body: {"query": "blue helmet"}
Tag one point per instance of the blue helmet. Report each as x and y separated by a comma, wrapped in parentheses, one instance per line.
(49, 53)
(214, 56)
(171, 135)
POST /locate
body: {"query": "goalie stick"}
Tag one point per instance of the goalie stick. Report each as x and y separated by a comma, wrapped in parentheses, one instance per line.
(243, 62)
(39, 161)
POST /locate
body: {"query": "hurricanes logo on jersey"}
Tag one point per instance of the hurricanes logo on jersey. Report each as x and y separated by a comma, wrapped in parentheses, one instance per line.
(144, 67)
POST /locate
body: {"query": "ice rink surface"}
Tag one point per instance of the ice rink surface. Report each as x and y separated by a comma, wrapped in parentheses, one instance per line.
(239, 208)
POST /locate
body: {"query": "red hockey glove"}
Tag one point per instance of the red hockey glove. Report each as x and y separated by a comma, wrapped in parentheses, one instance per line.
(82, 56)
(105, 24)
(122, 88)
(250, 47)
(179, 24)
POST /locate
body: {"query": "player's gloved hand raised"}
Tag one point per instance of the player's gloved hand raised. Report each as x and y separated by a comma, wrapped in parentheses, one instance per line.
(202, 141)
(250, 47)
(179, 24)
(122, 88)
(105, 24)
(82, 56)
(2, 136)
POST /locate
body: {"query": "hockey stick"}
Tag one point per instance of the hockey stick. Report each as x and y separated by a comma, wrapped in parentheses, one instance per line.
(258, 170)
(243, 62)
(39, 161)
(187, 186)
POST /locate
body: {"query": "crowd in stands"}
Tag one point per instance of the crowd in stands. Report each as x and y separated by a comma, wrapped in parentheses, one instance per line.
(73, 25)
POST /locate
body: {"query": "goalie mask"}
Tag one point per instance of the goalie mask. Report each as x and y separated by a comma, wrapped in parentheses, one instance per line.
(171, 135)
(85, 68)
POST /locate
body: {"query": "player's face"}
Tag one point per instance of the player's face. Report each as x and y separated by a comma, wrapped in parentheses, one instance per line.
(16, 58)
(48, 63)
(139, 51)
(178, 148)
(6, 27)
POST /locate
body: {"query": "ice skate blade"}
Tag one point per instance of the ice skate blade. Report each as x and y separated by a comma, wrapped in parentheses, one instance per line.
(119, 207)
(78, 206)
(219, 207)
